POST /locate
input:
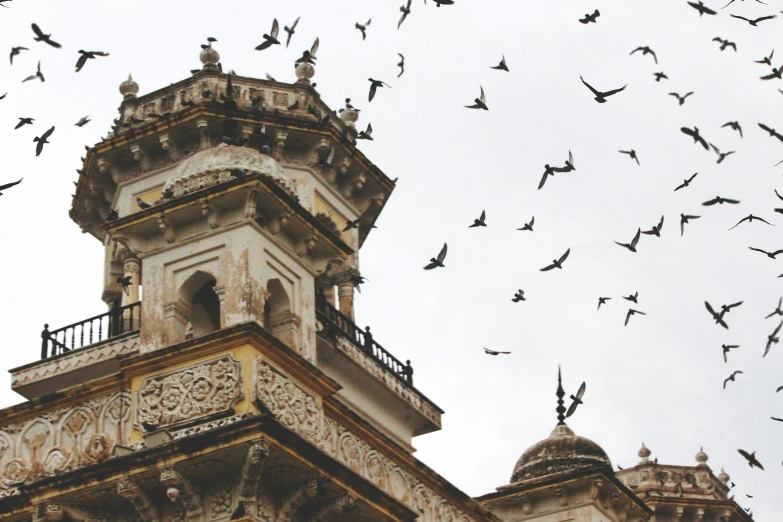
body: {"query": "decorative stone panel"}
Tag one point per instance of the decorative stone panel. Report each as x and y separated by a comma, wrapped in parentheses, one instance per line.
(178, 396)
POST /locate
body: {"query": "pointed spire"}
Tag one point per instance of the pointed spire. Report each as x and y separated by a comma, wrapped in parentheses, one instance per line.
(560, 394)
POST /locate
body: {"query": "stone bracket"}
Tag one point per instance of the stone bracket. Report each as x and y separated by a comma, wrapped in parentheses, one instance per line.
(276, 225)
(130, 491)
(250, 477)
(354, 185)
(139, 155)
(169, 146)
(342, 504)
(307, 245)
(280, 139)
(296, 499)
(166, 229)
(251, 202)
(210, 214)
(185, 491)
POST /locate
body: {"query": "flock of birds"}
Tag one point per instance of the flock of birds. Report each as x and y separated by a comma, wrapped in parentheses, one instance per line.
(480, 103)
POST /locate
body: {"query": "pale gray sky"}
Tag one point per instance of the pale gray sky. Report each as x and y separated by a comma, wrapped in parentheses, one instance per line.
(658, 380)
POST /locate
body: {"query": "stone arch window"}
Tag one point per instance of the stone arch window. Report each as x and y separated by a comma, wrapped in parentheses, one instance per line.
(201, 302)
(279, 318)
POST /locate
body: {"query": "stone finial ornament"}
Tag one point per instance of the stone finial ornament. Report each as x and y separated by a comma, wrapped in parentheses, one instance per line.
(560, 394)
(723, 476)
(304, 71)
(644, 453)
(209, 57)
(702, 457)
(349, 115)
(129, 88)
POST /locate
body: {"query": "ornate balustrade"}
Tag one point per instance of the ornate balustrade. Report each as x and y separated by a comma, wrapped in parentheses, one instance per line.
(339, 323)
(117, 321)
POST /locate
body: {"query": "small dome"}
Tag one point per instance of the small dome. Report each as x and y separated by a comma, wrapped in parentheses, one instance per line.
(213, 166)
(209, 56)
(129, 88)
(702, 457)
(723, 477)
(644, 453)
(562, 451)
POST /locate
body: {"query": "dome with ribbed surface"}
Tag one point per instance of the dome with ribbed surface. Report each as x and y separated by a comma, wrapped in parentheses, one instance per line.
(562, 451)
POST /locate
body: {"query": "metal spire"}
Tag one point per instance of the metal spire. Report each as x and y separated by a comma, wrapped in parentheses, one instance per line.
(560, 394)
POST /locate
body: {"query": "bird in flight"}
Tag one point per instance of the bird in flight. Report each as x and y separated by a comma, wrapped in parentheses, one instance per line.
(15, 51)
(726, 349)
(724, 309)
(777, 73)
(778, 310)
(9, 185)
(633, 298)
(270, 39)
(600, 97)
(41, 140)
(87, 55)
(548, 171)
(750, 457)
(38, 74)
(771, 131)
(656, 229)
(309, 56)
(493, 352)
(602, 300)
(749, 218)
(577, 400)
(401, 65)
(374, 84)
(755, 21)
(731, 378)
(659, 76)
(695, 135)
(590, 17)
(686, 182)
(725, 43)
(632, 154)
(405, 10)
(363, 28)
(719, 200)
(702, 9)
(290, 30)
(734, 125)
(683, 220)
(772, 339)
(41, 37)
(646, 50)
(732, 1)
(125, 282)
(557, 263)
(569, 164)
(767, 60)
(502, 65)
(632, 245)
(24, 121)
(717, 316)
(528, 226)
(519, 296)
(770, 255)
(680, 98)
(84, 120)
(439, 260)
(480, 221)
(631, 312)
(480, 103)
(366, 134)
(780, 210)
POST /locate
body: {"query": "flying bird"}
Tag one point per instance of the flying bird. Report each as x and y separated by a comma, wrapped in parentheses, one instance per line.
(577, 400)
(439, 260)
(732, 1)
(771, 131)
(401, 65)
(16, 51)
(631, 312)
(480, 221)
(634, 241)
(41, 140)
(686, 182)
(695, 135)
(633, 298)
(732, 378)
(600, 97)
(767, 60)
(778, 310)
(41, 37)
(444, 2)
(734, 125)
(632, 154)
(270, 39)
(725, 43)
(528, 226)
(557, 263)
(646, 50)
(726, 349)
(590, 17)
(290, 31)
(84, 120)
(519, 296)
(701, 8)
(9, 185)
(660, 75)
(24, 121)
(502, 65)
(755, 21)
(363, 28)
(374, 84)
(770, 255)
(309, 56)
(772, 339)
(548, 171)
(717, 316)
(38, 74)
(656, 229)
(680, 98)
(724, 309)
(125, 282)
(87, 55)
(777, 73)
(749, 218)
(480, 102)
(719, 200)
(602, 300)
(493, 352)
(569, 164)
(750, 457)
(405, 10)
(366, 134)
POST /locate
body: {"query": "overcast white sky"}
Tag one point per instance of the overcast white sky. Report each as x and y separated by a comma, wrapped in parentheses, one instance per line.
(658, 380)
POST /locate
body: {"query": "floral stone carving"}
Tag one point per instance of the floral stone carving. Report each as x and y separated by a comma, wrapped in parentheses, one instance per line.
(209, 388)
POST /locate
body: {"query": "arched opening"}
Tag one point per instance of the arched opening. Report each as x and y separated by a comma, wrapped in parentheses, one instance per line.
(279, 319)
(199, 293)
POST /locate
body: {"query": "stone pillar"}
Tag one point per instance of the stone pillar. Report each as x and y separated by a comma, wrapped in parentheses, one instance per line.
(175, 318)
(329, 294)
(203, 127)
(345, 291)
(131, 267)
(285, 325)
(220, 291)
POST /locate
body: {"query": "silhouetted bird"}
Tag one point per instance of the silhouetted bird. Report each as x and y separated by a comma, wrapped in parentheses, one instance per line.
(731, 378)
(750, 457)
(632, 245)
(112, 215)
(646, 50)
(778, 310)
(681, 99)
(41, 37)
(734, 125)
(42, 140)
(125, 282)
(602, 300)
(600, 97)
(528, 226)
(557, 263)
(142, 204)
(717, 316)
(632, 154)
(770, 255)
(695, 135)
(24, 121)
(270, 39)
(771, 131)
(87, 55)
(239, 512)
(726, 349)
(633, 298)
(480, 221)
(772, 339)
(590, 17)
(480, 102)
(9, 185)
(755, 21)
(374, 84)
(502, 65)
(656, 229)
(702, 9)
(365, 134)
(38, 74)
(719, 200)
(630, 313)
(725, 43)
(721, 155)
(493, 352)
(750, 219)
(15, 52)
(519, 296)
(405, 10)
(84, 120)
(577, 400)
(659, 76)
(686, 182)
(363, 28)
(290, 31)
(439, 260)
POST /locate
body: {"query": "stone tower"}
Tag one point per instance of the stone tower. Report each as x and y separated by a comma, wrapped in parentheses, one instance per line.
(225, 381)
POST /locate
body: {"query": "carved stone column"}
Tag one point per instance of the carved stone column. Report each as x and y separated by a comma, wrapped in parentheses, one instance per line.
(285, 325)
(175, 318)
(329, 294)
(221, 293)
(345, 291)
(203, 128)
(131, 267)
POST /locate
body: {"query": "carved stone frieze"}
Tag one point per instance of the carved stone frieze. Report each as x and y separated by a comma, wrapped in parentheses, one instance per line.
(220, 502)
(208, 388)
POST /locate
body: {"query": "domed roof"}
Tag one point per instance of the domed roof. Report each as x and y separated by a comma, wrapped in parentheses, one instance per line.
(213, 166)
(562, 451)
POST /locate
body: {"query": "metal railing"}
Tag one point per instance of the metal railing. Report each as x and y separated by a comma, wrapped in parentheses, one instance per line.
(117, 321)
(363, 340)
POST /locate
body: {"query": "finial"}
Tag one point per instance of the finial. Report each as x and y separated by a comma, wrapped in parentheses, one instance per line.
(560, 394)
(723, 477)
(129, 88)
(644, 453)
(701, 457)
(209, 56)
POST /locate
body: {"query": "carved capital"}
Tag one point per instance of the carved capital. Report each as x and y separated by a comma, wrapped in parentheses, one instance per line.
(209, 213)
(186, 493)
(131, 265)
(131, 492)
(166, 230)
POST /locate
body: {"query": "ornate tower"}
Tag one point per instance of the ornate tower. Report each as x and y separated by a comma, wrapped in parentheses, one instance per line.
(225, 381)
